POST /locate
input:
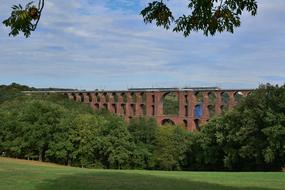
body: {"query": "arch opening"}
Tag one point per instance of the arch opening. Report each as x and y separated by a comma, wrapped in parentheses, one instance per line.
(152, 110)
(133, 109)
(89, 97)
(197, 124)
(222, 108)
(167, 122)
(199, 97)
(81, 97)
(185, 123)
(107, 97)
(198, 111)
(211, 110)
(238, 97)
(73, 96)
(96, 106)
(134, 97)
(105, 106)
(225, 101)
(114, 108)
(143, 109)
(186, 110)
(125, 97)
(124, 109)
(115, 97)
(143, 97)
(152, 98)
(186, 99)
(170, 104)
(212, 98)
(98, 97)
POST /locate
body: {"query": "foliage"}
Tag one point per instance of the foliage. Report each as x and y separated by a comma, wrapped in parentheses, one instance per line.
(171, 104)
(157, 11)
(208, 16)
(252, 137)
(143, 131)
(204, 151)
(11, 91)
(256, 131)
(34, 127)
(171, 145)
(56, 129)
(53, 128)
(21, 19)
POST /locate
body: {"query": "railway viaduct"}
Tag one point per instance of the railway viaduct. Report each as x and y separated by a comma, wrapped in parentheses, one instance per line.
(195, 105)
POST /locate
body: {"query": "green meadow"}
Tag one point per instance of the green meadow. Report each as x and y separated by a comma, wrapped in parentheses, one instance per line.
(31, 175)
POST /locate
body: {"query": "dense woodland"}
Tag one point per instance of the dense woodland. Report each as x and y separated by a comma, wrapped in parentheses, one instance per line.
(54, 129)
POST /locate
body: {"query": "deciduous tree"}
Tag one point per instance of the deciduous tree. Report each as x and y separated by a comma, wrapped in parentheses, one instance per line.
(207, 16)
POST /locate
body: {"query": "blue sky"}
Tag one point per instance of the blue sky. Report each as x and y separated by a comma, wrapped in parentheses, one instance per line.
(90, 44)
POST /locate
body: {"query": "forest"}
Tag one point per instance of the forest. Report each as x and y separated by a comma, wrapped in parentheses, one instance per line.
(52, 128)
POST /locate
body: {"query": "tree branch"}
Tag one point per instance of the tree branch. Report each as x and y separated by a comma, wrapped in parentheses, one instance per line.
(40, 8)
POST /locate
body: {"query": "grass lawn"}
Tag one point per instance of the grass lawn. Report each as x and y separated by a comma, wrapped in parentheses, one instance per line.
(29, 175)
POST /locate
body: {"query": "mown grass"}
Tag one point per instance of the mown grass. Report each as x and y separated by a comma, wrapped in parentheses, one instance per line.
(28, 175)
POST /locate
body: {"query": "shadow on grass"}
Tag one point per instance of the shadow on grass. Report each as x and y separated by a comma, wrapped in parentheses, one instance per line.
(122, 181)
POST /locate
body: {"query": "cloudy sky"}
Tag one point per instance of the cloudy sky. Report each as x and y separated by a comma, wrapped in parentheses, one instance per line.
(91, 44)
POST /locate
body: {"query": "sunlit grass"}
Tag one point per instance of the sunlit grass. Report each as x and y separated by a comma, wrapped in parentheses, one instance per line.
(30, 175)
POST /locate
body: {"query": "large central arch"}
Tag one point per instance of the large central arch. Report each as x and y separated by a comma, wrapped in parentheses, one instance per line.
(170, 103)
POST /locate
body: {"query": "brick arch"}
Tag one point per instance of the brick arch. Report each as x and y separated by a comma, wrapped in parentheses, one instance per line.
(114, 97)
(198, 111)
(88, 97)
(105, 97)
(199, 97)
(133, 97)
(143, 97)
(238, 95)
(124, 97)
(225, 97)
(163, 96)
(247, 93)
(239, 92)
(197, 123)
(212, 98)
(211, 110)
(167, 121)
(185, 123)
(97, 97)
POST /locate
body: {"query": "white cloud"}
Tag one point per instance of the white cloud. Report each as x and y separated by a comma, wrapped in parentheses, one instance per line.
(83, 44)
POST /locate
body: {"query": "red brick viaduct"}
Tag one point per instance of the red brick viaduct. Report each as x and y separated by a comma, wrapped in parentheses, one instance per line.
(196, 105)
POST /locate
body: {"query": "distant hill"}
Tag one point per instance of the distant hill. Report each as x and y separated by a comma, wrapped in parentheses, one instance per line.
(13, 90)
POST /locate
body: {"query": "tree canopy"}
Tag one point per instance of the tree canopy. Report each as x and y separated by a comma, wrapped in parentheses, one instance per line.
(55, 129)
(207, 16)
(251, 137)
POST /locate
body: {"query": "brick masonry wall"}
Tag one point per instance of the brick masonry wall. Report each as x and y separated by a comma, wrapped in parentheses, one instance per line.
(131, 104)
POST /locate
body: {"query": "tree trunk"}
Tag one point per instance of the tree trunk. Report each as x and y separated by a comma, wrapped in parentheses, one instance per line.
(40, 157)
